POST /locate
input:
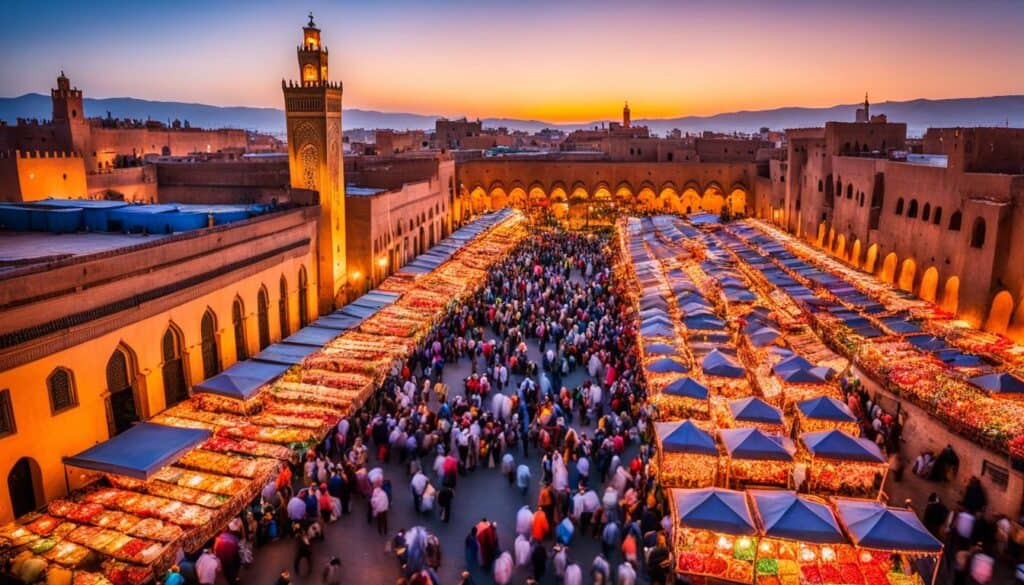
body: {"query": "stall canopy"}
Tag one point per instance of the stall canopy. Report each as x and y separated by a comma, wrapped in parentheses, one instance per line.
(755, 410)
(241, 380)
(316, 336)
(839, 445)
(764, 336)
(141, 451)
(827, 408)
(687, 387)
(657, 330)
(685, 437)
(756, 444)
(704, 321)
(999, 382)
(659, 349)
(714, 509)
(874, 525)
(717, 363)
(798, 370)
(787, 515)
(667, 365)
(285, 353)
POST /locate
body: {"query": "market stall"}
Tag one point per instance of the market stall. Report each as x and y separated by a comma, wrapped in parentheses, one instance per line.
(724, 376)
(681, 398)
(752, 412)
(801, 542)
(823, 413)
(907, 553)
(799, 380)
(754, 457)
(714, 534)
(842, 464)
(687, 455)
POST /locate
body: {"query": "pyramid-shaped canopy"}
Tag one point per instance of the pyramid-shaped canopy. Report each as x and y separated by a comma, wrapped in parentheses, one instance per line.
(757, 445)
(999, 382)
(786, 515)
(826, 408)
(836, 444)
(685, 437)
(659, 349)
(872, 524)
(686, 387)
(798, 370)
(717, 363)
(658, 330)
(715, 509)
(754, 409)
(667, 365)
(764, 336)
(705, 321)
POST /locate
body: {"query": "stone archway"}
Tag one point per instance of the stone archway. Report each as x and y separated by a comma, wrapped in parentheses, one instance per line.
(840, 247)
(646, 199)
(478, 200)
(870, 258)
(951, 295)
(25, 486)
(499, 199)
(929, 284)
(855, 254)
(713, 199)
(517, 198)
(907, 273)
(738, 201)
(690, 200)
(889, 265)
(1000, 313)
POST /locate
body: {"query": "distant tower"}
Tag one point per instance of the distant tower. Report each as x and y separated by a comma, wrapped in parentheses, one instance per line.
(864, 114)
(313, 117)
(625, 115)
(70, 126)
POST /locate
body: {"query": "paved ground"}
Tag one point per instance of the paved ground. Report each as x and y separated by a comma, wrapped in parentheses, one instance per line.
(483, 493)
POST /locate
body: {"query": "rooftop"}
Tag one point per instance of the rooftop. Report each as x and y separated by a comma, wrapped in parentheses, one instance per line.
(19, 249)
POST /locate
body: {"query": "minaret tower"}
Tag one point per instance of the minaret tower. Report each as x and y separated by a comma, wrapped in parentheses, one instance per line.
(625, 116)
(70, 125)
(313, 117)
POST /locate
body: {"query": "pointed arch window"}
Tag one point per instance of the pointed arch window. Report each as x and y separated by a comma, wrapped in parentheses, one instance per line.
(173, 369)
(211, 355)
(303, 298)
(238, 321)
(263, 317)
(282, 309)
(60, 385)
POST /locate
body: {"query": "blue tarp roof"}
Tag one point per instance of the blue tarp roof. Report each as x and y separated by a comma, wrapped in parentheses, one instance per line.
(285, 353)
(787, 515)
(826, 408)
(717, 363)
(798, 370)
(764, 336)
(927, 342)
(685, 437)
(874, 525)
(704, 321)
(316, 336)
(686, 387)
(241, 380)
(140, 451)
(659, 349)
(999, 382)
(836, 444)
(755, 410)
(667, 365)
(756, 444)
(657, 330)
(715, 509)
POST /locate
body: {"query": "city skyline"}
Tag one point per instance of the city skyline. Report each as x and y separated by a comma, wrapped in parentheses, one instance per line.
(553, 63)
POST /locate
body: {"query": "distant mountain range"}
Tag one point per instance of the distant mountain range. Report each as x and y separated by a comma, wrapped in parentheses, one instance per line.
(918, 114)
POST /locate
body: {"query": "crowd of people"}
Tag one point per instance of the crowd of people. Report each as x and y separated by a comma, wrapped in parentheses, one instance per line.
(550, 311)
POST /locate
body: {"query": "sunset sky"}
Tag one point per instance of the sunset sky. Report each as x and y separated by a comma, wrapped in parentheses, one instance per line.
(556, 60)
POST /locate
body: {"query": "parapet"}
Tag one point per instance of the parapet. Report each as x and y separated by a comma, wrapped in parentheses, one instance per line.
(43, 154)
(289, 84)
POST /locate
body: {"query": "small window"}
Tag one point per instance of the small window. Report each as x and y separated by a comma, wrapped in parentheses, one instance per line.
(821, 186)
(6, 414)
(912, 209)
(926, 214)
(61, 387)
(849, 191)
(978, 233)
(937, 218)
(899, 206)
(955, 220)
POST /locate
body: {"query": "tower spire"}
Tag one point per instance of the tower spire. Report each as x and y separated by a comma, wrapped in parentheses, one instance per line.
(625, 115)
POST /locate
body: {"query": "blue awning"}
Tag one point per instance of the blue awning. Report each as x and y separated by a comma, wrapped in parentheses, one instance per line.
(658, 330)
(242, 380)
(764, 336)
(927, 342)
(787, 515)
(667, 365)
(316, 336)
(798, 370)
(659, 349)
(826, 408)
(704, 321)
(836, 444)
(756, 444)
(715, 509)
(754, 409)
(999, 382)
(285, 353)
(141, 451)
(685, 437)
(874, 525)
(687, 387)
(717, 363)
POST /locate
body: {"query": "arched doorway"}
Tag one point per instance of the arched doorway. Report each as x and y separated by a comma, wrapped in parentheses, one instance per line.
(646, 198)
(263, 317)
(840, 249)
(713, 200)
(238, 324)
(282, 308)
(951, 295)
(929, 284)
(124, 403)
(907, 273)
(690, 201)
(738, 202)
(889, 265)
(304, 296)
(668, 200)
(870, 258)
(478, 200)
(173, 369)
(499, 199)
(821, 234)
(1000, 313)
(25, 484)
(855, 254)
(210, 353)
(517, 198)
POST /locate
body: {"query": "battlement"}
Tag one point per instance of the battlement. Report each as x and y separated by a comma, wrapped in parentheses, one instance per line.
(312, 48)
(66, 93)
(37, 154)
(289, 84)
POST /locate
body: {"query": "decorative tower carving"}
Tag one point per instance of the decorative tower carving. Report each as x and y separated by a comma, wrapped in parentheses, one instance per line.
(313, 116)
